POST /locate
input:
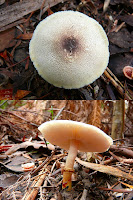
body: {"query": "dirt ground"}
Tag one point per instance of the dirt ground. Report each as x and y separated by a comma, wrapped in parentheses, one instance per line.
(20, 80)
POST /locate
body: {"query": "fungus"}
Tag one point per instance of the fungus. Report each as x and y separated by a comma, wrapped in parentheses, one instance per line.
(74, 136)
(128, 72)
(28, 166)
(69, 49)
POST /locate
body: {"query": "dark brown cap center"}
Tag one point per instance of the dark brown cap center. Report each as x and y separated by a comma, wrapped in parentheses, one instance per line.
(70, 45)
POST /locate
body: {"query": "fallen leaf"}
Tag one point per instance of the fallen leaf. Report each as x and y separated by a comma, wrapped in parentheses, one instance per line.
(122, 38)
(50, 12)
(21, 93)
(15, 163)
(125, 2)
(118, 62)
(4, 148)
(25, 36)
(7, 94)
(7, 180)
(7, 38)
(7, 57)
(26, 144)
(127, 18)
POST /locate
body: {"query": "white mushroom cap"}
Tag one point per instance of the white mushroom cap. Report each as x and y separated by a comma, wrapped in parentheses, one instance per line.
(88, 137)
(69, 49)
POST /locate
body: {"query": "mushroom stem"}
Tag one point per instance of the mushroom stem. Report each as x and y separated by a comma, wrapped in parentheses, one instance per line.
(68, 170)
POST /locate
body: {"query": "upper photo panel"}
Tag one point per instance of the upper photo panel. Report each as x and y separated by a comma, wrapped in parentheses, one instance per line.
(66, 49)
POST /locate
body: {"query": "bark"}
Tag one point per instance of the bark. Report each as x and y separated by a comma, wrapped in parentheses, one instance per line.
(17, 11)
(118, 119)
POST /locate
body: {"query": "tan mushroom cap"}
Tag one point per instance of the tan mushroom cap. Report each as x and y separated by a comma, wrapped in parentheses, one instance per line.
(88, 137)
(69, 49)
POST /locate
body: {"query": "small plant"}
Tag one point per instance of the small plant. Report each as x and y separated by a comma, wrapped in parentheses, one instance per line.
(52, 113)
(12, 104)
(3, 104)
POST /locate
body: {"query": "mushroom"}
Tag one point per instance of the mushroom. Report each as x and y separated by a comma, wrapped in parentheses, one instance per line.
(74, 136)
(69, 49)
(128, 72)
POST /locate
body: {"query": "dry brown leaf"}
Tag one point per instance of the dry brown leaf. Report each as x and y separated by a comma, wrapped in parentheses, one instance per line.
(25, 36)
(21, 93)
(26, 144)
(7, 38)
(106, 169)
(8, 94)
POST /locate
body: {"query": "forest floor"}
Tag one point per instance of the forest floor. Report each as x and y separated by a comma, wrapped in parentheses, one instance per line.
(32, 169)
(20, 80)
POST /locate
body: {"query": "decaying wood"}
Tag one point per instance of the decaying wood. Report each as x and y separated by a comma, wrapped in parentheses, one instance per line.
(118, 119)
(16, 11)
(4, 28)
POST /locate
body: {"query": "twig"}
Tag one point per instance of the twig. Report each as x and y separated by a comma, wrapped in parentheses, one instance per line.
(40, 166)
(35, 190)
(122, 160)
(122, 150)
(115, 190)
(108, 161)
(41, 9)
(31, 194)
(55, 109)
(106, 4)
(3, 103)
(58, 114)
(84, 195)
(13, 24)
(106, 169)
(14, 186)
(118, 85)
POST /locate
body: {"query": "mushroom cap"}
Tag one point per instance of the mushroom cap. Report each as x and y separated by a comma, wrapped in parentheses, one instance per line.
(69, 49)
(88, 137)
(128, 72)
